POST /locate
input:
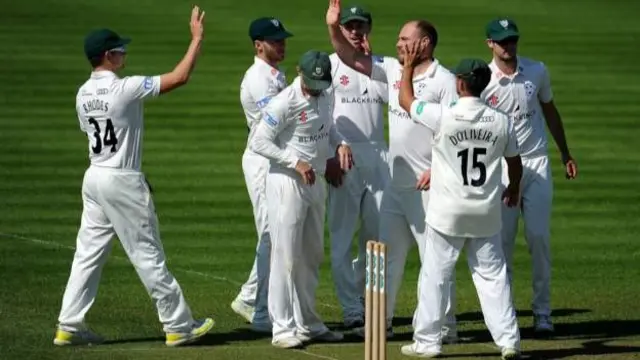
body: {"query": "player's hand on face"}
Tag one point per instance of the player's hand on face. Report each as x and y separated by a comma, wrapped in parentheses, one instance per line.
(424, 182)
(345, 157)
(333, 173)
(197, 23)
(412, 53)
(306, 171)
(366, 46)
(511, 196)
(571, 168)
(333, 13)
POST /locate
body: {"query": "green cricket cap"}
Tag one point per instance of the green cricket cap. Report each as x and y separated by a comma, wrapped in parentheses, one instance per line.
(315, 68)
(475, 72)
(500, 29)
(100, 41)
(355, 12)
(268, 28)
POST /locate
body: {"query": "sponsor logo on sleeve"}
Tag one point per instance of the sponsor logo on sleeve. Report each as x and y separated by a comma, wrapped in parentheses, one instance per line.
(263, 102)
(148, 83)
(420, 107)
(269, 119)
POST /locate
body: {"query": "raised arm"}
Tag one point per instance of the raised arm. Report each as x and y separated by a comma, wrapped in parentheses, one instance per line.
(180, 75)
(348, 54)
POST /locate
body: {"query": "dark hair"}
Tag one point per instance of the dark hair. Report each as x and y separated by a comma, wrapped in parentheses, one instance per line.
(96, 60)
(427, 29)
(476, 81)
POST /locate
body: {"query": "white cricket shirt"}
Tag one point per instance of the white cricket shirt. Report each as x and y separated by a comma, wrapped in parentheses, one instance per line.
(358, 112)
(470, 140)
(410, 143)
(519, 95)
(261, 82)
(110, 111)
(297, 127)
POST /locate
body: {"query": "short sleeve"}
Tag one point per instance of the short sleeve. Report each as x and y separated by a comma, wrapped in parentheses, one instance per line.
(141, 87)
(512, 149)
(427, 114)
(262, 90)
(545, 94)
(379, 66)
(448, 93)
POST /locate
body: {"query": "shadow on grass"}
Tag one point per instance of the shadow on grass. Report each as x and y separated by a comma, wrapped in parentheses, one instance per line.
(211, 339)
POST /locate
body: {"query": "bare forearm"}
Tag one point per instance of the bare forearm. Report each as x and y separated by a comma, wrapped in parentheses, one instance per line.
(185, 66)
(354, 59)
(514, 169)
(406, 89)
(556, 128)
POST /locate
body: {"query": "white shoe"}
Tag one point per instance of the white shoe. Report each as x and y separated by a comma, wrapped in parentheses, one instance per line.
(410, 350)
(199, 329)
(510, 354)
(287, 343)
(82, 337)
(542, 324)
(243, 309)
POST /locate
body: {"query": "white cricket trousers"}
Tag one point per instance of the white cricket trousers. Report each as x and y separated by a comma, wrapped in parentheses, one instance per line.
(359, 198)
(403, 224)
(537, 195)
(255, 289)
(296, 221)
(118, 202)
(489, 273)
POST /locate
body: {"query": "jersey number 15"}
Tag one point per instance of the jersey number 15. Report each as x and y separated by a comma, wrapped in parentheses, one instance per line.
(109, 138)
(476, 163)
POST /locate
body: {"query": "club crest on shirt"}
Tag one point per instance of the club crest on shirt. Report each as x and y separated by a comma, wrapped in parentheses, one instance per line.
(493, 100)
(303, 116)
(529, 88)
(344, 80)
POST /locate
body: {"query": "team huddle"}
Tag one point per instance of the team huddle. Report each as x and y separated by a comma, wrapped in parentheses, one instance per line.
(467, 155)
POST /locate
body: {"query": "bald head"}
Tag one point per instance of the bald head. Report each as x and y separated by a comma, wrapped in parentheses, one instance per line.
(417, 30)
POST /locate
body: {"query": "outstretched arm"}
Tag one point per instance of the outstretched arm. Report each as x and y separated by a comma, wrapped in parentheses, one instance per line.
(180, 75)
(354, 59)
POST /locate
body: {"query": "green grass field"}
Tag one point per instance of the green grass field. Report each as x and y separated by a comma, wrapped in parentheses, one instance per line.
(193, 146)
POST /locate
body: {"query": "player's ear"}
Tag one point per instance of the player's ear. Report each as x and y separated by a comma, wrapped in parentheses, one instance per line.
(489, 43)
(298, 70)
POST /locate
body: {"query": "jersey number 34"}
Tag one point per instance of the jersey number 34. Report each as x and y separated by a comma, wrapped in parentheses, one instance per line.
(109, 138)
(476, 163)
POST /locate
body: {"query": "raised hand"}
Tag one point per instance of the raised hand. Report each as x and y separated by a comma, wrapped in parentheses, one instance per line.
(366, 45)
(333, 13)
(197, 23)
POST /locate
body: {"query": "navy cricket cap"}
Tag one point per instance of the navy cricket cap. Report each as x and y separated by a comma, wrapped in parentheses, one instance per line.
(100, 41)
(268, 28)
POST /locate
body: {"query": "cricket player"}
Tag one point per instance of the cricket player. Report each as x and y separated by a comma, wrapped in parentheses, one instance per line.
(298, 136)
(470, 138)
(115, 195)
(359, 117)
(261, 82)
(521, 87)
(403, 208)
